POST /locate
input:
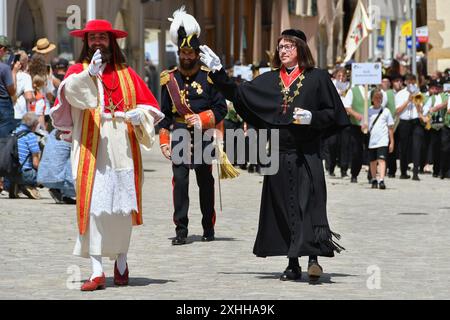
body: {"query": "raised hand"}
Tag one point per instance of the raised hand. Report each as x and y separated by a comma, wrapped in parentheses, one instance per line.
(96, 63)
(210, 59)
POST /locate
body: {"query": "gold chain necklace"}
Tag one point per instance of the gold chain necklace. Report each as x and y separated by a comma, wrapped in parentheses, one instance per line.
(287, 98)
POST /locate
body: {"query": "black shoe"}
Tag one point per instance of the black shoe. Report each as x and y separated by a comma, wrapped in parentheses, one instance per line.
(354, 180)
(405, 177)
(332, 174)
(179, 241)
(344, 175)
(416, 178)
(56, 195)
(208, 238)
(13, 191)
(391, 176)
(67, 200)
(315, 271)
(291, 274)
(375, 184)
(382, 185)
(251, 168)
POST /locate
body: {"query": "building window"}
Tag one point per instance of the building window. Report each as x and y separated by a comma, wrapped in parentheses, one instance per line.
(66, 43)
(303, 8)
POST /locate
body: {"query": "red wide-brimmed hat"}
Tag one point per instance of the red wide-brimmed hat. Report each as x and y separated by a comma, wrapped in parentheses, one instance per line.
(99, 26)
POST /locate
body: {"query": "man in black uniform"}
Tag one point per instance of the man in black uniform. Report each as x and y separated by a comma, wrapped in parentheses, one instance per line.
(190, 102)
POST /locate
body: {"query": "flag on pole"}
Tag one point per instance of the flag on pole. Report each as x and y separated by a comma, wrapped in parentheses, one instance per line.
(359, 30)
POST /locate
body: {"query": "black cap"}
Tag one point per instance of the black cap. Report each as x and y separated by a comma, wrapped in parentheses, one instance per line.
(61, 63)
(295, 33)
(395, 76)
(191, 42)
(435, 83)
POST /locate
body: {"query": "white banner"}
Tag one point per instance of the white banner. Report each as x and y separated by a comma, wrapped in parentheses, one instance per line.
(366, 73)
(359, 30)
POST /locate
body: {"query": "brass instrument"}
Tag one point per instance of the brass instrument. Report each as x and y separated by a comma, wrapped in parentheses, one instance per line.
(418, 100)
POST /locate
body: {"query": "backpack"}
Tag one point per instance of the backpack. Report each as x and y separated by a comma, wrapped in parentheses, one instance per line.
(9, 155)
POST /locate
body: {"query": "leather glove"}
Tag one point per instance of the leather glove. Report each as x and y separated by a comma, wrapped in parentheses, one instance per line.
(96, 64)
(210, 59)
(302, 117)
(134, 116)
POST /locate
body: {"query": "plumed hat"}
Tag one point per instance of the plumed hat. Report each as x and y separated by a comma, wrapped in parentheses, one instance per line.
(184, 30)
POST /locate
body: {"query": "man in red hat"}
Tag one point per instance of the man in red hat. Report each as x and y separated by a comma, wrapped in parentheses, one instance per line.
(107, 111)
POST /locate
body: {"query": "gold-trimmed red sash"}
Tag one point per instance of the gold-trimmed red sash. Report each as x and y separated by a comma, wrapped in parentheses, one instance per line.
(129, 94)
(90, 134)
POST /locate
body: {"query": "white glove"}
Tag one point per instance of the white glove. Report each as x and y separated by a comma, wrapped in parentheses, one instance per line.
(302, 117)
(134, 116)
(210, 59)
(96, 63)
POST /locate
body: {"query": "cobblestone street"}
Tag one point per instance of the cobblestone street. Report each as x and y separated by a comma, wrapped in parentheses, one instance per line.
(396, 246)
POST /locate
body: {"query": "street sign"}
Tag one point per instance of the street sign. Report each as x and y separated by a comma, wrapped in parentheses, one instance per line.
(409, 42)
(380, 42)
(407, 29)
(366, 73)
(422, 34)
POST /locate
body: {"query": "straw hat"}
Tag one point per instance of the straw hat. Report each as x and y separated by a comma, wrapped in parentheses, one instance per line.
(44, 46)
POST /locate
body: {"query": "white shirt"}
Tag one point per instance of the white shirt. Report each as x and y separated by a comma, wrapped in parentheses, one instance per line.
(385, 99)
(379, 134)
(348, 100)
(24, 84)
(428, 105)
(410, 112)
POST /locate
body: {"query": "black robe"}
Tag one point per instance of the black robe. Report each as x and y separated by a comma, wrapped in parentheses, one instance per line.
(293, 215)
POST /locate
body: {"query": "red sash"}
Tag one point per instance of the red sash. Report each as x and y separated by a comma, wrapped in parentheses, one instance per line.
(181, 105)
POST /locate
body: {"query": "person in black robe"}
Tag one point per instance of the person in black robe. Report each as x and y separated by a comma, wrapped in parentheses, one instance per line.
(302, 103)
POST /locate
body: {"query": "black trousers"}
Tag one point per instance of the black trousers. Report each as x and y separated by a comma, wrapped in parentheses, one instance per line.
(435, 144)
(330, 152)
(205, 182)
(411, 135)
(425, 157)
(392, 157)
(357, 143)
(345, 149)
(445, 152)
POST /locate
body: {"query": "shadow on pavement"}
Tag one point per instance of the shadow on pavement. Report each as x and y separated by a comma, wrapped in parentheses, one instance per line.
(197, 238)
(324, 279)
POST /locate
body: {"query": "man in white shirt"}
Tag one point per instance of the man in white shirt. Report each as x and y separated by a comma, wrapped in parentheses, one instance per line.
(381, 143)
(354, 105)
(411, 131)
(24, 91)
(396, 80)
(332, 146)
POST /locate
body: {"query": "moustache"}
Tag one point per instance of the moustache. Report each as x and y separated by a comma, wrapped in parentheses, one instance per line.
(106, 53)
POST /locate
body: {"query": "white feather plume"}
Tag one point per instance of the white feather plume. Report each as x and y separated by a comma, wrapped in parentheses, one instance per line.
(183, 19)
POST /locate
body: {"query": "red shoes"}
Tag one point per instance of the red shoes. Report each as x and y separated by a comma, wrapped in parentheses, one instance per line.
(120, 280)
(95, 284)
(99, 283)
